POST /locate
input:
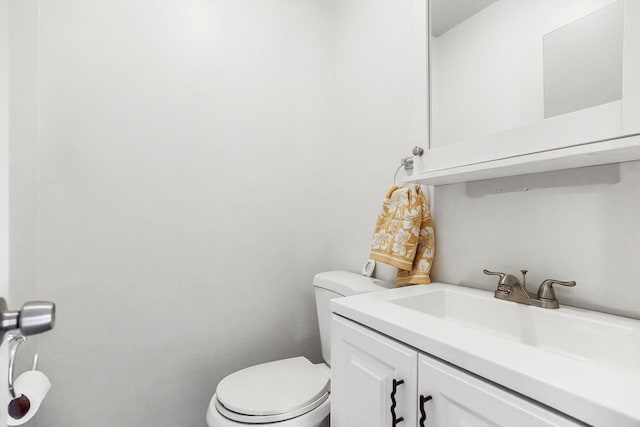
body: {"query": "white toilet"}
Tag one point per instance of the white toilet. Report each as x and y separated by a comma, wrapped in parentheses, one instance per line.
(290, 392)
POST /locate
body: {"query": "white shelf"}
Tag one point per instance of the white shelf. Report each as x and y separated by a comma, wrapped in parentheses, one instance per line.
(595, 153)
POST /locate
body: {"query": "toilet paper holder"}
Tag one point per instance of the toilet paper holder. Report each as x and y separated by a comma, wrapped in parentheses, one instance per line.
(17, 340)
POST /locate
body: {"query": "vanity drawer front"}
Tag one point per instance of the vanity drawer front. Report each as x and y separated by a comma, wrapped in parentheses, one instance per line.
(458, 399)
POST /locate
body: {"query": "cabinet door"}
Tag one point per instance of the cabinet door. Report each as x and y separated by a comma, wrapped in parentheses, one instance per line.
(450, 397)
(364, 368)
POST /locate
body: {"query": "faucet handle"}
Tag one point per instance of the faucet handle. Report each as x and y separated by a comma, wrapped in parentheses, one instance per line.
(495, 273)
(545, 291)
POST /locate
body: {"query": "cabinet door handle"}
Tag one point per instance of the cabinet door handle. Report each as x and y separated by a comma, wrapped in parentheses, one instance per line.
(394, 419)
(423, 414)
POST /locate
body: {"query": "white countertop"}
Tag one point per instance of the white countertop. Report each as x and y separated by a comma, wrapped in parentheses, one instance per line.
(595, 393)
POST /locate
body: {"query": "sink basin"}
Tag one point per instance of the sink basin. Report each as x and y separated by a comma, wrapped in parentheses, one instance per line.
(582, 363)
(575, 333)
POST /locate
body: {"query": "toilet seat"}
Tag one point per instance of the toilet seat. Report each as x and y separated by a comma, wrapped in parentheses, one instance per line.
(266, 419)
(319, 417)
(272, 392)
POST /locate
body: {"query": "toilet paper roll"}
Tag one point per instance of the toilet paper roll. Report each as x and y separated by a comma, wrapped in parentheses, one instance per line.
(35, 385)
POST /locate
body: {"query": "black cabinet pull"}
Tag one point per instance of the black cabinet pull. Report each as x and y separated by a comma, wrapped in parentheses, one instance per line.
(423, 414)
(394, 419)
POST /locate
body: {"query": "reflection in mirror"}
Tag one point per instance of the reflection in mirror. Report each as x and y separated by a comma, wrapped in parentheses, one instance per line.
(497, 65)
(446, 14)
(583, 62)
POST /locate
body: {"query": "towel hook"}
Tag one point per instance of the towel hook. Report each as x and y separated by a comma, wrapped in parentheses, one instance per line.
(407, 164)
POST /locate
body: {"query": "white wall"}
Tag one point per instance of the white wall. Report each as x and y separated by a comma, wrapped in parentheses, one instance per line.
(4, 147)
(193, 170)
(581, 228)
(379, 113)
(177, 209)
(588, 233)
(198, 166)
(24, 158)
(4, 186)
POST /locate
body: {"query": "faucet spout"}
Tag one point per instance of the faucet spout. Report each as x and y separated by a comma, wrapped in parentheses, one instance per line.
(515, 293)
(510, 289)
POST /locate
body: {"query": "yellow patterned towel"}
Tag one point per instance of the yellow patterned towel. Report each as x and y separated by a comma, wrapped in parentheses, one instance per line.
(404, 236)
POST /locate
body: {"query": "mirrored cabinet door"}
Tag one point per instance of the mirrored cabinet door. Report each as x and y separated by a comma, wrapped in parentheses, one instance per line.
(510, 78)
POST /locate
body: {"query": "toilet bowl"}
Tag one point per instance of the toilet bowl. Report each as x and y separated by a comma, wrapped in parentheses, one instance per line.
(289, 392)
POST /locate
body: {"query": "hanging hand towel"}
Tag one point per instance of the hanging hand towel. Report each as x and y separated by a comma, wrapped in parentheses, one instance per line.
(404, 236)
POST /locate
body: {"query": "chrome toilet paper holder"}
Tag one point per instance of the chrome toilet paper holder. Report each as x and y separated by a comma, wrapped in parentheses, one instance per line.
(17, 340)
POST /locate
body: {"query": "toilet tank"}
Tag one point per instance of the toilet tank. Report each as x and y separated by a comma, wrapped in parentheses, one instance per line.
(338, 284)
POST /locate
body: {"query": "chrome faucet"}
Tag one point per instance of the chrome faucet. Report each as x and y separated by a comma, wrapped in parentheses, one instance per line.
(510, 289)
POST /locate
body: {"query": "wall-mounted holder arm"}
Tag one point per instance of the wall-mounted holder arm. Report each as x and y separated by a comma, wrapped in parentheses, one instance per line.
(17, 340)
(20, 405)
(407, 164)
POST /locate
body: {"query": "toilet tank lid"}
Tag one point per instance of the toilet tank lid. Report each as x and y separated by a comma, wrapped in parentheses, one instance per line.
(347, 283)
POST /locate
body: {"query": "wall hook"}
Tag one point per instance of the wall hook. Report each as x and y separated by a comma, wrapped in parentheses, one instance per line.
(407, 164)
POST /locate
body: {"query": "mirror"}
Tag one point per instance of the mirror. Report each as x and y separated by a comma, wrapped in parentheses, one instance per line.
(499, 65)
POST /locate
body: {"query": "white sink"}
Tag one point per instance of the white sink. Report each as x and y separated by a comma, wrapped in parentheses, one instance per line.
(580, 334)
(583, 363)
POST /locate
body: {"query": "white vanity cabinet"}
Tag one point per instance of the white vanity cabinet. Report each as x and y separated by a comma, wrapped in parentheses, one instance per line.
(365, 365)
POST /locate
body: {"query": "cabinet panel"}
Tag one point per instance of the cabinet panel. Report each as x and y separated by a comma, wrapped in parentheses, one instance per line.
(506, 132)
(364, 365)
(461, 400)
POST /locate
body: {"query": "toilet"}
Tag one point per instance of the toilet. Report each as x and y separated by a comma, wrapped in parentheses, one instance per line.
(290, 392)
